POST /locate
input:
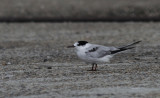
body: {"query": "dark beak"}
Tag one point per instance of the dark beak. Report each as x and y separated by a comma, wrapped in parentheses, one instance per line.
(71, 46)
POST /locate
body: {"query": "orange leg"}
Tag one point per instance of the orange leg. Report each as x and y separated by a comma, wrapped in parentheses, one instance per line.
(92, 67)
(95, 69)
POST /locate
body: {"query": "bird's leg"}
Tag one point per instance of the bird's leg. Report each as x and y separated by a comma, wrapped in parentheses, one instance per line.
(92, 67)
(95, 69)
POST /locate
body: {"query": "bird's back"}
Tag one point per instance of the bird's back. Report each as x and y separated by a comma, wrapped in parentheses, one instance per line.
(95, 53)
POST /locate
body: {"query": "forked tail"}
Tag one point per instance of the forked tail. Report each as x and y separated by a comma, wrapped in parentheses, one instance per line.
(125, 47)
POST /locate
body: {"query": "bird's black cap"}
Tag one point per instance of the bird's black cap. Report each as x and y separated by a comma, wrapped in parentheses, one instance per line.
(81, 43)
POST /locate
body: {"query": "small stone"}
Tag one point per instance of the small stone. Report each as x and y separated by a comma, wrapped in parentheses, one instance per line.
(137, 58)
(8, 63)
(156, 58)
(4, 63)
(49, 67)
(45, 60)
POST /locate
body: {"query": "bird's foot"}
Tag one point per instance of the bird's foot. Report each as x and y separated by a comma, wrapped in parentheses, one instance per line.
(91, 70)
(93, 67)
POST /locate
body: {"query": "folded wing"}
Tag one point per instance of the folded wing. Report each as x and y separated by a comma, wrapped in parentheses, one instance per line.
(99, 51)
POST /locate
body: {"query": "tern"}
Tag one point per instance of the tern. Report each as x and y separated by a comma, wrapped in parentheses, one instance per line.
(95, 54)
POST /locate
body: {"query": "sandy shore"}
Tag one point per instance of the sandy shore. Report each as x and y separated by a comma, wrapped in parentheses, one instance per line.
(35, 63)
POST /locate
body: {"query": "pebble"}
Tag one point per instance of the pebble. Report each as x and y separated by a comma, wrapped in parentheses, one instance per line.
(9, 63)
(45, 60)
(49, 67)
(4, 63)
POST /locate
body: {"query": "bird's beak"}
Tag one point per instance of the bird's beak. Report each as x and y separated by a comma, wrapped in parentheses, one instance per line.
(71, 46)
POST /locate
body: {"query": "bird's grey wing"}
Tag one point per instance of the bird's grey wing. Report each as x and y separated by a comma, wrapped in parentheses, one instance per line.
(98, 51)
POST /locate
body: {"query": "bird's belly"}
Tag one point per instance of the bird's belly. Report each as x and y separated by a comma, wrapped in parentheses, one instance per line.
(87, 59)
(106, 58)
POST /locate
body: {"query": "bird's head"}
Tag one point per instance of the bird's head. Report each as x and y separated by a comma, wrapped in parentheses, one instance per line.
(79, 44)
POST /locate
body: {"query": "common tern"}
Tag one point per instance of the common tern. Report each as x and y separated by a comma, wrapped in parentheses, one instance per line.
(95, 54)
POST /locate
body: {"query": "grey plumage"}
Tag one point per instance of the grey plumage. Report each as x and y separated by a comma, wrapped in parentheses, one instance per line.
(94, 54)
(98, 51)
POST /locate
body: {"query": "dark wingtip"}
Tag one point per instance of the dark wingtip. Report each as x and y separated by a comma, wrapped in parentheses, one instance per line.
(121, 49)
(132, 44)
(137, 42)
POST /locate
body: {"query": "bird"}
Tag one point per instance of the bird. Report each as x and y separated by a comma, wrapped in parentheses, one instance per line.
(96, 54)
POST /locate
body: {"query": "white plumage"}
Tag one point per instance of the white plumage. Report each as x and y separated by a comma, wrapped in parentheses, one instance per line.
(95, 54)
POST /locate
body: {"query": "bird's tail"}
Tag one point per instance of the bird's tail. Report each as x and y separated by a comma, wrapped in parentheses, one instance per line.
(130, 45)
(123, 48)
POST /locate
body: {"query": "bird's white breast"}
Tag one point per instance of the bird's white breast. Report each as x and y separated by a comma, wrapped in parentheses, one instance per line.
(81, 54)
